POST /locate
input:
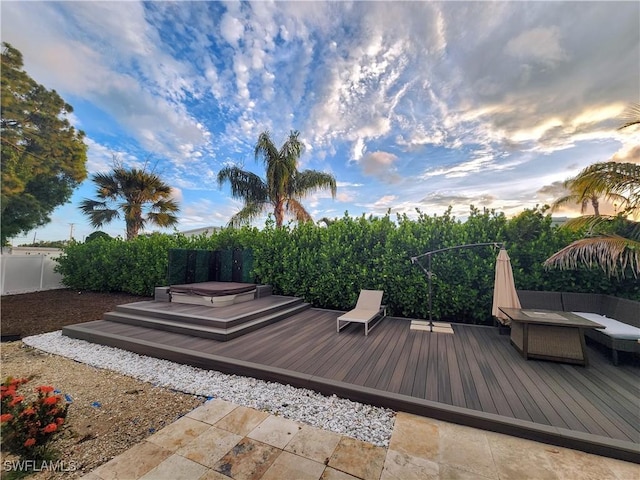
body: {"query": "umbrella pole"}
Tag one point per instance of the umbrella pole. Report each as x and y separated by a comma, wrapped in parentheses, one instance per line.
(414, 260)
(429, 275)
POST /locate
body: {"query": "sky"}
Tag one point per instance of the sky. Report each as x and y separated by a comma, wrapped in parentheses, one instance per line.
(410, 105)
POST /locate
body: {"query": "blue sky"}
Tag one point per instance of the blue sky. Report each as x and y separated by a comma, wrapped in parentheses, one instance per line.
(410, 105)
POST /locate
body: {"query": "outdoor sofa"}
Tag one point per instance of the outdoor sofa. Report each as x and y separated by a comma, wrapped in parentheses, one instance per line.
(620, 316)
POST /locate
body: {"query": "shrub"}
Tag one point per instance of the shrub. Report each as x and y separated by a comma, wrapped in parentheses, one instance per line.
(28, 426)
(329, 265)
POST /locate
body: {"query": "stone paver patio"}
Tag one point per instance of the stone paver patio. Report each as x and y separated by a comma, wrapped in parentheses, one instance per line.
(220, 440)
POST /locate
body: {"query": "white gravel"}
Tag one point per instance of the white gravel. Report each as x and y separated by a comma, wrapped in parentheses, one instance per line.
(357, 420)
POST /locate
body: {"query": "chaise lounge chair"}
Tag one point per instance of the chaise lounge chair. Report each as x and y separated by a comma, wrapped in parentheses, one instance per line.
(367, 309)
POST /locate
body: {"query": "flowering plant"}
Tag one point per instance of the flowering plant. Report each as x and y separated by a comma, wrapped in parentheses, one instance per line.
(27, 426)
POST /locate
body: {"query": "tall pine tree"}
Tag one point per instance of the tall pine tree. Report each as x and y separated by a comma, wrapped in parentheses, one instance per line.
(43, 156)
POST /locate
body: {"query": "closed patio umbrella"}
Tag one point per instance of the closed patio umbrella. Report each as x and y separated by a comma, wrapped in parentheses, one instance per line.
(504, 288)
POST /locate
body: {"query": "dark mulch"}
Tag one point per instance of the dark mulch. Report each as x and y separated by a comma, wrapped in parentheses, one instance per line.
(40, 312)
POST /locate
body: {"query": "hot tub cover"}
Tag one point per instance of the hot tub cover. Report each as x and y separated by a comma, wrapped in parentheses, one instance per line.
(213, 289)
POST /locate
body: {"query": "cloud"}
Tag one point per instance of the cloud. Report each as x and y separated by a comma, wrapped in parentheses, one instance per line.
(540, 44)
(381, 165)
(73, 52)
(482, 99)
(627, 154)
(231, 29)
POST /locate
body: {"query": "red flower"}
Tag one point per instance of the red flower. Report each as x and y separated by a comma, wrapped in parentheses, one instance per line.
(29, 442)
(28, 411)
(59, 420)
(6, 417)
(44, 389)
(51, 400)
(16, 400)
(52, 427)
(8, 392)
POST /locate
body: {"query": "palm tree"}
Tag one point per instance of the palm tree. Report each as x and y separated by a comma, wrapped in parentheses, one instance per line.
(613, 242)
(283, 187)
(609, 179)
(578, 194)
(142, 197)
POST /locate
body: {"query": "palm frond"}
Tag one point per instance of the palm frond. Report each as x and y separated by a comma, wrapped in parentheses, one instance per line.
(309, 181)
(590, 222)
(632, 114)
(265, 148)
(296, 209)
(570, 198)
(292, 149)
(165, 206)
(249, 212)
(107, 185)
(98, 212)
(614, 177)
(244, 185)
(614, 254)
(162, 218)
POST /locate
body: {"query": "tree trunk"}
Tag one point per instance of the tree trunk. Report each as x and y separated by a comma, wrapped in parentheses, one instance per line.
(596, 206)
(278, 211)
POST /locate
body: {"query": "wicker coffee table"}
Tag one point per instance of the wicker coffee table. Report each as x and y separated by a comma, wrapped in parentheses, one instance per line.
(549, 335)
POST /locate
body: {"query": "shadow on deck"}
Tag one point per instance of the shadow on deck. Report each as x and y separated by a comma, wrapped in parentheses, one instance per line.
(474, 377)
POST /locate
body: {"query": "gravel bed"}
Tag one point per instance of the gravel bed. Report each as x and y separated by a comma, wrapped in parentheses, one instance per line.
(342, 416)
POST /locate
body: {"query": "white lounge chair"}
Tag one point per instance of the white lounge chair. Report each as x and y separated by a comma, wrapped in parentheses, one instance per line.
(367, 309)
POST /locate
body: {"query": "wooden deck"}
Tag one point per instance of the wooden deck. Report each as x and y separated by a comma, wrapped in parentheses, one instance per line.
(474, 377)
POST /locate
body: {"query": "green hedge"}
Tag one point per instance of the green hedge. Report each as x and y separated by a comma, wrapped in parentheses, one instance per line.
(328, 266)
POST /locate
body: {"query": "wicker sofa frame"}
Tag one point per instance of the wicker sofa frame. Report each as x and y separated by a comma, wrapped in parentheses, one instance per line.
(620, 309)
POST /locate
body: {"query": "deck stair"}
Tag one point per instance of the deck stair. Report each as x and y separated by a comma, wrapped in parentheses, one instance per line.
(220, 324)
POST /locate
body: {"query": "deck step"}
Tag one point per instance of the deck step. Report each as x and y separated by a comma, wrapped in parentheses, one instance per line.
(215, 330)
(222, 317)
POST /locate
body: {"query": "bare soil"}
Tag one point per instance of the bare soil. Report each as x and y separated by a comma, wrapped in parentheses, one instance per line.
(41, 312)
(109, 412)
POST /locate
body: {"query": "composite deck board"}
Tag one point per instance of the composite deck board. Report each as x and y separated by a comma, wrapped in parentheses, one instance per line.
(322, 361)
(401, 368)
(608, 414)
(299, 348)
(471, 398)
(353, 350)
(475, 368)
(515, 385)
(430, 391)
(393, 365)
(442, 372)
(455, 378)
(587, 412)
(266, 349)
(602, 400)
(554, 389)
(602, 387)
(629, 394)
(382, 363)
(420, 379)
(342, 346)
(482, 391)
(532, 394)
(360, 371)
(316, 349)
(409, 373)
(474, 358)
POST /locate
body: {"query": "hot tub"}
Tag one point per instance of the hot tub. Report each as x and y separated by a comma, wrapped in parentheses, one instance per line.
(212, 294)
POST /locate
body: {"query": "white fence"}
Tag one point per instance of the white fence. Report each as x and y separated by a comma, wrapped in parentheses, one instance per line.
(29, 270)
